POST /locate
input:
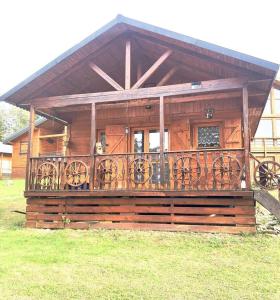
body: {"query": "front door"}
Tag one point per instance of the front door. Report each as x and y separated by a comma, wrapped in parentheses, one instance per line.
(146, 147)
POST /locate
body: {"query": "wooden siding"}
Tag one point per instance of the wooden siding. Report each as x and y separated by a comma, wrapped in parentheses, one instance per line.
(216, 214)
(180, 119)
(40, 147)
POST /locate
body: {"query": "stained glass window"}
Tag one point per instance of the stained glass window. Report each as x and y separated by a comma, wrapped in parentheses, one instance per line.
(208, 136)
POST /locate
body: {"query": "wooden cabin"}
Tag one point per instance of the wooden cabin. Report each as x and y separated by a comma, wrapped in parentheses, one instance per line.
(49, 138)
(160, 133)
(5, 161)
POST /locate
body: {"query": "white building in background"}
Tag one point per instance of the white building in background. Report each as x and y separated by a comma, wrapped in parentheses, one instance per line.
(5, 160)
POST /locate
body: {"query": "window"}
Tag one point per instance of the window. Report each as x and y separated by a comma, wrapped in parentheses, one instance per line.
(265, 129)
(23, 147)
(276, 94)
(277, 128)
(154, 140)
(208, 137)
(138, 141)
(277, 106)
(267, 109)
(103, 141)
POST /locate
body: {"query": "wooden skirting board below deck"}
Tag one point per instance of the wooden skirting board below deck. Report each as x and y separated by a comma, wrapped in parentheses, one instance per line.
(206, 214)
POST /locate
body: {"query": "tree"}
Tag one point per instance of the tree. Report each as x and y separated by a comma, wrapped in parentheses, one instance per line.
(12, 119)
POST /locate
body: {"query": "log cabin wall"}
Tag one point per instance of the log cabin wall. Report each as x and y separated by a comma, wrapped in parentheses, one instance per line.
(181, 120)
(40, 147)
(51, 146)
(20, 153)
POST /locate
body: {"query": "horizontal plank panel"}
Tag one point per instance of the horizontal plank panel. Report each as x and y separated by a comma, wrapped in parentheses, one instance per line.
(130, 193)
(145, 218)
(139, 201)
(244, 210)
(43, 208)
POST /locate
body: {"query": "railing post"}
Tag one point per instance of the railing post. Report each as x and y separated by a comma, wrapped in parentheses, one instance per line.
(161, 126)
(246, 136)
(92, 146)
(30, 147)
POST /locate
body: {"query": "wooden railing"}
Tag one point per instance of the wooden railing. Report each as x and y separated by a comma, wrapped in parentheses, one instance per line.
(211, 169)
(264, 143)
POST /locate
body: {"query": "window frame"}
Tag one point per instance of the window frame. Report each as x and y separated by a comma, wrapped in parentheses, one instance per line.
(207, 124)
(21, 152)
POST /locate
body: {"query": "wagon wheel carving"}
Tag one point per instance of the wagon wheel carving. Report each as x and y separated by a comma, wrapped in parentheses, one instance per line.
(187, 169)
(46, 174)
(107, 171)
(267, 175)
(226, 169)
(140, 170)
(76, 173)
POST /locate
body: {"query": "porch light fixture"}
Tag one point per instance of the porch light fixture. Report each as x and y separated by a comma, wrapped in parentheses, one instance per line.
(126, 130)
(148, 106)
(196, 84)
(209, 112)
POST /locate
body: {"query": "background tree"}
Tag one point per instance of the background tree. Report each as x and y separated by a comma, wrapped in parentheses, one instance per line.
(11, 119)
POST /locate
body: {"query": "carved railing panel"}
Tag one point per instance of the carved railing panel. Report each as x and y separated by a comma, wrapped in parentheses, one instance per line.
(219, 169)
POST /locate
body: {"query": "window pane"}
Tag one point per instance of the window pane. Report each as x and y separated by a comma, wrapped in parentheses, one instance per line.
(154, 141)
(23, 147)
(277, 105)
(278, 128)
(276, 94)
(103, 141)
(267, 109)
(264, 129)
(209, 136)
(139, 141)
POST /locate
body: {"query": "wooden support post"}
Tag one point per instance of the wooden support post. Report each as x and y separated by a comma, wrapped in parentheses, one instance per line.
(246, 136)
(161, 129)
(127, 64)
(92, 145)
(30, 147)
(65, 140)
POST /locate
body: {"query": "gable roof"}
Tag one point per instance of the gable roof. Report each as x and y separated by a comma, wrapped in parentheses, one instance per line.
(115, 27)
(22, 131)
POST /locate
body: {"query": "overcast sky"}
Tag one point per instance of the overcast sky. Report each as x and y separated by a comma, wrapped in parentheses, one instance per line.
(34, 32)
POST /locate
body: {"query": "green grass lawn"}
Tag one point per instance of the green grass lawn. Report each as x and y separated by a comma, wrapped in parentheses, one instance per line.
(68, 264)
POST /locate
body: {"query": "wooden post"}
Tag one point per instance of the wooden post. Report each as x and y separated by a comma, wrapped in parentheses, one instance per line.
(246, 136)
(161, 127)
(92, 145)
(127, 64)
(30, 146)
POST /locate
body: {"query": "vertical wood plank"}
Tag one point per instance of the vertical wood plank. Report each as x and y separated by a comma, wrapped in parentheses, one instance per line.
(92, 145)
(127, 64)
(161, 127)
(246, 136)
(30, 145)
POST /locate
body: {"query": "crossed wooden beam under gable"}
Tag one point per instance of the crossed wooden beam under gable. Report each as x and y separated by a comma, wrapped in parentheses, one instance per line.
(143, 78)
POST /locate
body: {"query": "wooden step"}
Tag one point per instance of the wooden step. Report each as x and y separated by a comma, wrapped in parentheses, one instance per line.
(268, 202)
